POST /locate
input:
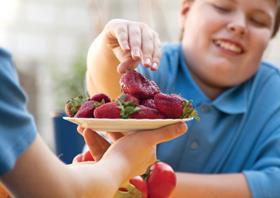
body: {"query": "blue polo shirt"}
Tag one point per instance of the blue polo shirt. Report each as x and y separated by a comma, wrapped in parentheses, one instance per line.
(239, 131)
(17, 128)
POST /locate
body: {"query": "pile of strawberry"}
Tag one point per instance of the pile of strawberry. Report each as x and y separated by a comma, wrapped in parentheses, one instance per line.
(140, 99)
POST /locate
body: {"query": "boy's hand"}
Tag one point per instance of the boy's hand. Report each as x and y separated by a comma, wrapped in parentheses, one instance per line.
(133, 42)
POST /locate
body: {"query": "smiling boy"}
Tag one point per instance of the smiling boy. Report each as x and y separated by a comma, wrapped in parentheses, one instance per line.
(234, 151)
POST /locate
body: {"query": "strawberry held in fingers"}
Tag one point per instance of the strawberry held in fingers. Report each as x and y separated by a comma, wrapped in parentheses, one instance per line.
(174, 106)
(137, 85)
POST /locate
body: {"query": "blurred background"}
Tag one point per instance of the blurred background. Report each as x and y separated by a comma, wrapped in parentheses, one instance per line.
(49, 41)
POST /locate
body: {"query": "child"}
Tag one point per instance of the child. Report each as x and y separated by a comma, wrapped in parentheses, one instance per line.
(234, 150)
(28, 168)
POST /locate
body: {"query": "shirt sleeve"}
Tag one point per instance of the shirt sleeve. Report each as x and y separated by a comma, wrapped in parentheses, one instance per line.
(17, 128)
(264, 177)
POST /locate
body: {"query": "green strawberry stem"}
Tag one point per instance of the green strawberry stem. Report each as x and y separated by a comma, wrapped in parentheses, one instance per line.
(127, 108)
(97, 104)
(148, 171)
(189, 111)
(75, 103)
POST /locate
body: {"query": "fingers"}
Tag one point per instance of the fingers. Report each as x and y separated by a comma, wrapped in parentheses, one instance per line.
(156, 52)
(127, 65)
(80, 129)
(96, 143)
(122, 36)
(147, 47)
(166, 133)
(133, 42)
(143, 38)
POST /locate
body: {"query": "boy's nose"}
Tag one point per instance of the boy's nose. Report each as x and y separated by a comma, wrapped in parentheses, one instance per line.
(238, 26)
(237, 29)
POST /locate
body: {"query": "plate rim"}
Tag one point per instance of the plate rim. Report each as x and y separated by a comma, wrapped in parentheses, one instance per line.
(85, 122)
(127, 120)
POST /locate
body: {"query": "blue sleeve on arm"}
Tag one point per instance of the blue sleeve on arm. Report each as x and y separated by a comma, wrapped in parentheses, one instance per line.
(17, 128)
(264, 178)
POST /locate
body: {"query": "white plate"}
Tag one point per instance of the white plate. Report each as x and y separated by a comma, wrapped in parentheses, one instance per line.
(122, 125)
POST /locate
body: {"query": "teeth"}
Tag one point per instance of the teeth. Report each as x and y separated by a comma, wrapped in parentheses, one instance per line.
(228, 46)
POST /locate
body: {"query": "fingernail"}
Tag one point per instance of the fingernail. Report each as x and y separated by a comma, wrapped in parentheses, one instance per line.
(136, 52)
(147, 61)
(155, 66)
(126, 46)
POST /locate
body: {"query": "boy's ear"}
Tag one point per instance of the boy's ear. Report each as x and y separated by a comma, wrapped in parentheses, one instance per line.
(186, 5)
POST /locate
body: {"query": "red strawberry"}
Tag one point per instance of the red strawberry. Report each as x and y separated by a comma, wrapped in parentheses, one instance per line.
(137, 85)
(101, 97)
(108, 110)
(127, 98)
(140, 184)
(72, 106)
(174, 106)
(87, 157)
(86, 110)
(161, 180)
(146, 113)
(78, 158)
(115, 109)
(149, 103)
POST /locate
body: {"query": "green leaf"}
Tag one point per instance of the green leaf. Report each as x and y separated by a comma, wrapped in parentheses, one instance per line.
(189, 111)
(127, 108)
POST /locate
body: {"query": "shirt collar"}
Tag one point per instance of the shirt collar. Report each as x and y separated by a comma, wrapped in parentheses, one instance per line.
(231, 101)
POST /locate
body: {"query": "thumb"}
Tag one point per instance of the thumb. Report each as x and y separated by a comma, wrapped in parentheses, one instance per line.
(165, 133)
(126, 65)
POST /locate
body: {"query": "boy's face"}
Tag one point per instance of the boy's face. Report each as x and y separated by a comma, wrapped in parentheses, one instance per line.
(224, 40)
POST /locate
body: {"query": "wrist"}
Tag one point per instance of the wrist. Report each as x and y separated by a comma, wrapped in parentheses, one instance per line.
(119, 169)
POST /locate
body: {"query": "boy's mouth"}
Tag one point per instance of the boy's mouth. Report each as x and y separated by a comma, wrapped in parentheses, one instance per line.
(229, 46)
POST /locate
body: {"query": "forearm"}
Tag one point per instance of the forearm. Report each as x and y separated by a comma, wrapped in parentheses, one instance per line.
(102, 75)
(38, 173)
(203, 185)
